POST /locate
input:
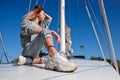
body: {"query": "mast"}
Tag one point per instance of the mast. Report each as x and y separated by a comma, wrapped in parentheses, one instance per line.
(62, 25)
(108, 32)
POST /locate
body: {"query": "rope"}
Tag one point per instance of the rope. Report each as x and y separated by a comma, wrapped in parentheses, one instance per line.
(1, 58)
(58, 25)
(37, 1)
(93, 26)
(101, 4)
(69, 12)
(44, 3)
(29, 5)
(95, 18)
(101, 32)
(3, 48)
(104, 38)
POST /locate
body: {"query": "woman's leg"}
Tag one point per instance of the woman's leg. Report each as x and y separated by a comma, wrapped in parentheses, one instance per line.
(56, 61)
(50, 46)
(33, 49)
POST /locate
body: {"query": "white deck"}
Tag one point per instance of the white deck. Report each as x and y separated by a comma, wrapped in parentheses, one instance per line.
(87, 70)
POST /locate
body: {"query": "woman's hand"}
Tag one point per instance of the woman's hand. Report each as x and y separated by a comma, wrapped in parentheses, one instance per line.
(56, 35)
(47, 16)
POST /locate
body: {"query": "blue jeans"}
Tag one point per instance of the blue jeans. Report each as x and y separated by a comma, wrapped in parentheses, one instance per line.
(33, 48)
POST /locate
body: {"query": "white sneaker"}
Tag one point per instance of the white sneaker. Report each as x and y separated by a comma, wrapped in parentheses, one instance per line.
(59, 63)
(23, 60)
(45, 59)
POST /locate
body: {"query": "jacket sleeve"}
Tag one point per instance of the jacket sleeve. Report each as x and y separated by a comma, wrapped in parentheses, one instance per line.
(27, 28)
(46, 24)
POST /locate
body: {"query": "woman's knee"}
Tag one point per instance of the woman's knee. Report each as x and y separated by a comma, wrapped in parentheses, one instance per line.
(46, 32)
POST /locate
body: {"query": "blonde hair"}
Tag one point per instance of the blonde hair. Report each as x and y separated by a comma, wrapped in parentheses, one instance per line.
(33, 14)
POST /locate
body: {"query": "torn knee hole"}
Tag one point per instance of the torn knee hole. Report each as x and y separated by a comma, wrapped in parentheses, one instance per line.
(48, 35)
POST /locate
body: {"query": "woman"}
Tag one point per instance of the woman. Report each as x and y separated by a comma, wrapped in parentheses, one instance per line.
(35, 34)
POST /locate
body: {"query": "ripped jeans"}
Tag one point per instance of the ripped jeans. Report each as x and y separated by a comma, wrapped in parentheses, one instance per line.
(33, 48)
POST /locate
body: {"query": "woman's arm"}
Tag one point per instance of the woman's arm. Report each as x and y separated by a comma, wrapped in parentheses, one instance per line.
(47, 21)
(56, 35)
(48, 16)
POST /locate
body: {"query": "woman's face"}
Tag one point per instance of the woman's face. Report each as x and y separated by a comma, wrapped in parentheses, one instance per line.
(41, 15)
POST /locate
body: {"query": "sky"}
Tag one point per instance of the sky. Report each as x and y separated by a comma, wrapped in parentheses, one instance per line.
(12, 12)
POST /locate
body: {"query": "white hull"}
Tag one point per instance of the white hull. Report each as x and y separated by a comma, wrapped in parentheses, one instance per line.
(87, 70)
